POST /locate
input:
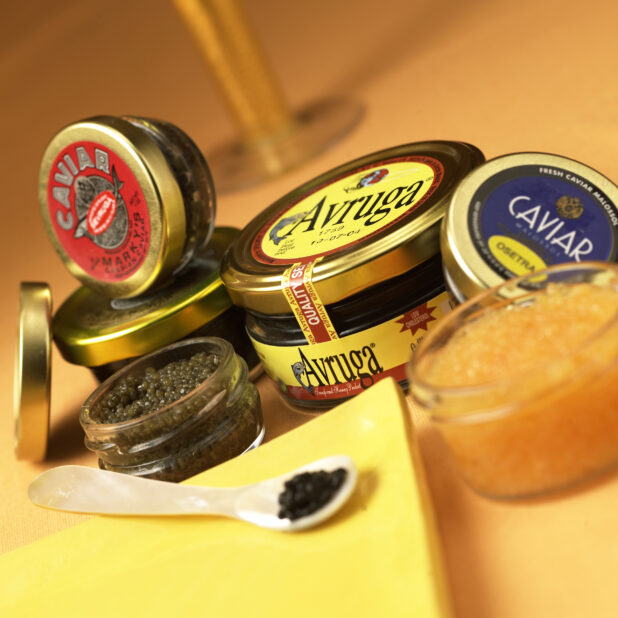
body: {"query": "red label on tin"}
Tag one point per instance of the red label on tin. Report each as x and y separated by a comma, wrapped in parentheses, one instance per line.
(98, 211)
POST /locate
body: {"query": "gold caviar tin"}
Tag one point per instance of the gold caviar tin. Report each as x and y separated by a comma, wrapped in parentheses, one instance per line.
(126, 202)
(105, 334)
(341, 277)
(32, 372)
(523, 212)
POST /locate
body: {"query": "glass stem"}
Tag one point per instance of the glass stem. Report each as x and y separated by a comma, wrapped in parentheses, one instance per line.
(227, 43)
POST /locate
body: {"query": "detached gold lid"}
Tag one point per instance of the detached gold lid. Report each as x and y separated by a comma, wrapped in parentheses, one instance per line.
(359, 224)
(92, 330)
(32, 372)
(112, 206)
(523, 212)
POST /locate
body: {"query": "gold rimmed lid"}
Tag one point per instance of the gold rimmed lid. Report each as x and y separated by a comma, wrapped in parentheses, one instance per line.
(92, 330)
(112, 206)
(363, 222)
(32, 371)
(523, 212)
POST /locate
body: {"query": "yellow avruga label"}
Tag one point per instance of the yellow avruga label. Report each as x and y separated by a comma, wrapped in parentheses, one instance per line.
(348, 210)
(515, 256)
(346, 366)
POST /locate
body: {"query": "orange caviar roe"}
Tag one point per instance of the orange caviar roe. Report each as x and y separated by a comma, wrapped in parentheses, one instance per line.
(521, 337)
(559, 418)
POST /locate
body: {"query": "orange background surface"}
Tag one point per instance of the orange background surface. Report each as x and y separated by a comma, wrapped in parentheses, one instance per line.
(505, 76)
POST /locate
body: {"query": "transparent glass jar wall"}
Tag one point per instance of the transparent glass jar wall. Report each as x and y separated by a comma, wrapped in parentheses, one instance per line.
(216, 421)
(548, 425)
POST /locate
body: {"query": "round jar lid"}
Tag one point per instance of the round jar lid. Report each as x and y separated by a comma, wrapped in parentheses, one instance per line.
(92, 330)
(524, 212)
(112, 206)
(32, 371)
(359, 224)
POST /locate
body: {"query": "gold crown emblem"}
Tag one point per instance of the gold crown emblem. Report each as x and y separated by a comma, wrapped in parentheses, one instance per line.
(569, 207)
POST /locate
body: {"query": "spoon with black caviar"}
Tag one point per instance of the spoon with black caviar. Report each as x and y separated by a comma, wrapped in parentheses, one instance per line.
(295, 500)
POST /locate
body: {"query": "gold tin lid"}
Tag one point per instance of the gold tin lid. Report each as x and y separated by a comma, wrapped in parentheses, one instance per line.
(92, 330)
(359, 224)
(523, 212)
(117, 243)
(32, 371)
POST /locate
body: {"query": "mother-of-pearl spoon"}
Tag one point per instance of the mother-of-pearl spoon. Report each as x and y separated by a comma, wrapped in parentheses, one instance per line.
(88, 490)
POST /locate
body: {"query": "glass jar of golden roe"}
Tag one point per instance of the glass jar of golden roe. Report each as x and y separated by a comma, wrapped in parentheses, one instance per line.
(522, 380)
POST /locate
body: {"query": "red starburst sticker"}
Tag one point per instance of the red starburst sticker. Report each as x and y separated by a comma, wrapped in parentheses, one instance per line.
(417, 318)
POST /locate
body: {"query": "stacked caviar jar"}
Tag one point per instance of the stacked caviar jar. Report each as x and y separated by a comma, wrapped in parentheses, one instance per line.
(104, 334)
(129, 206)
(126, 202)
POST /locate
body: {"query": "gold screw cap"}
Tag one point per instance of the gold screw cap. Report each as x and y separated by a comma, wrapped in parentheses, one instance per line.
(32, 371)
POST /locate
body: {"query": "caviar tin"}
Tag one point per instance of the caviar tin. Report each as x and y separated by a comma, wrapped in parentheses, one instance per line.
(126, 202)
(520, 213)
(105, 334)
(32, 371)
(341, 277)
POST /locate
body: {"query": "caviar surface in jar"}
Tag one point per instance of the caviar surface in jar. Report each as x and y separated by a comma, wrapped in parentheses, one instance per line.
(341, 278)
(135, 396)
(521, 381)
(105, 334)
(174, 413)
(524, 212)
(126, 201)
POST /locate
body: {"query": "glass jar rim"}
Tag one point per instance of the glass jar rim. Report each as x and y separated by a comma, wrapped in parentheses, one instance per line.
(503, 382)
(227, 354)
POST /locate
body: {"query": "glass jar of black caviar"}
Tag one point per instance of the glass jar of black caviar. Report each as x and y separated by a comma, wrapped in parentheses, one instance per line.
(126, 202)
(174, 413)
(342, 277)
